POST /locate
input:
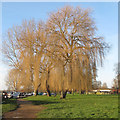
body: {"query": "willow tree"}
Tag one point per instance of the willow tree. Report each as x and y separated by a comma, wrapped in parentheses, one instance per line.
(13, 80)
(74, 34)
(24, 48)
(47, 65)
(66, 45)
(18, 81)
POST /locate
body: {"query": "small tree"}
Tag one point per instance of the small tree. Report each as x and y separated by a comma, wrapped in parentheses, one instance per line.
(13, 80)
(115, 82)
(104, 86)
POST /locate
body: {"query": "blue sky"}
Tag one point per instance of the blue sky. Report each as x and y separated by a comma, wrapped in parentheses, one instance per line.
(105, 15)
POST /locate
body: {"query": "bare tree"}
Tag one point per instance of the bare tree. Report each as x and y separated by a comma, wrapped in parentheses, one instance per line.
(73, 33)
(115, 82)
(59, 55)
(13, 82)
(104, 85)
(97, 84)
(24, 48)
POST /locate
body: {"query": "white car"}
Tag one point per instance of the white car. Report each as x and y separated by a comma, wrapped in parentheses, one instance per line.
(10, 95)
(29, 94)
(44, 94)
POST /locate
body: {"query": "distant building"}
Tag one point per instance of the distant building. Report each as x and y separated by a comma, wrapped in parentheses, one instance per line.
(101, 91)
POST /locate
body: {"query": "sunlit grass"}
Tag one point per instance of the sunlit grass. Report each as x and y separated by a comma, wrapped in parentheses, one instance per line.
(77, 106)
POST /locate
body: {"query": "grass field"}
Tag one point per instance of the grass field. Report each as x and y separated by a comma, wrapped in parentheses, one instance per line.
(77, 106)
(8, 105)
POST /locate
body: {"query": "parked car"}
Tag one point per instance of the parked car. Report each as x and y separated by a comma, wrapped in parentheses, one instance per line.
(29, 94)
(4, 95)
(44, 94)
(16, 94)
(40, 93)
(10, 94)
(19, 95)
(54, 94)
(22, 95)
(68, 92)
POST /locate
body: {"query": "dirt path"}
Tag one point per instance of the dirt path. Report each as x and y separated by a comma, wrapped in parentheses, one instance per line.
(25, 110)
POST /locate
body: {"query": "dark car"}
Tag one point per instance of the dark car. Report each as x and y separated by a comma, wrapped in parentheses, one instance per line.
(4, 95)
(40, 93)
(19, 95)
(22, 95)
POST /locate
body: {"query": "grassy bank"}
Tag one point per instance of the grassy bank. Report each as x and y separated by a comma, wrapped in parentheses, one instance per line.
(8, 105)
(77, 106)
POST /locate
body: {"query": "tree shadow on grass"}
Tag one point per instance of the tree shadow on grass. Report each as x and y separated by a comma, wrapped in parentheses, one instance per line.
(41, 102)
(9, 101)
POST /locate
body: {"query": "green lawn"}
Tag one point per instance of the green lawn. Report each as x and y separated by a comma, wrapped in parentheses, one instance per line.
(8, 105)
(77, 106)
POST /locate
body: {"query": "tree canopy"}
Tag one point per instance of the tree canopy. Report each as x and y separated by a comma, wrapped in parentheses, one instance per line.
(60, 54)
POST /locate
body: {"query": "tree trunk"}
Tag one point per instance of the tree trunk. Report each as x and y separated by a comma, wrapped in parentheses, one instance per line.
(63, 94)
(80, 91)
(72, 92)
(86, 91)
(55, 94)
(47, 86)
(71, 72)
(35, 92)
(48, 91)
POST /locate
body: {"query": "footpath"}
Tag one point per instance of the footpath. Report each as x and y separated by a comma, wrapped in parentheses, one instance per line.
(25, 110)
